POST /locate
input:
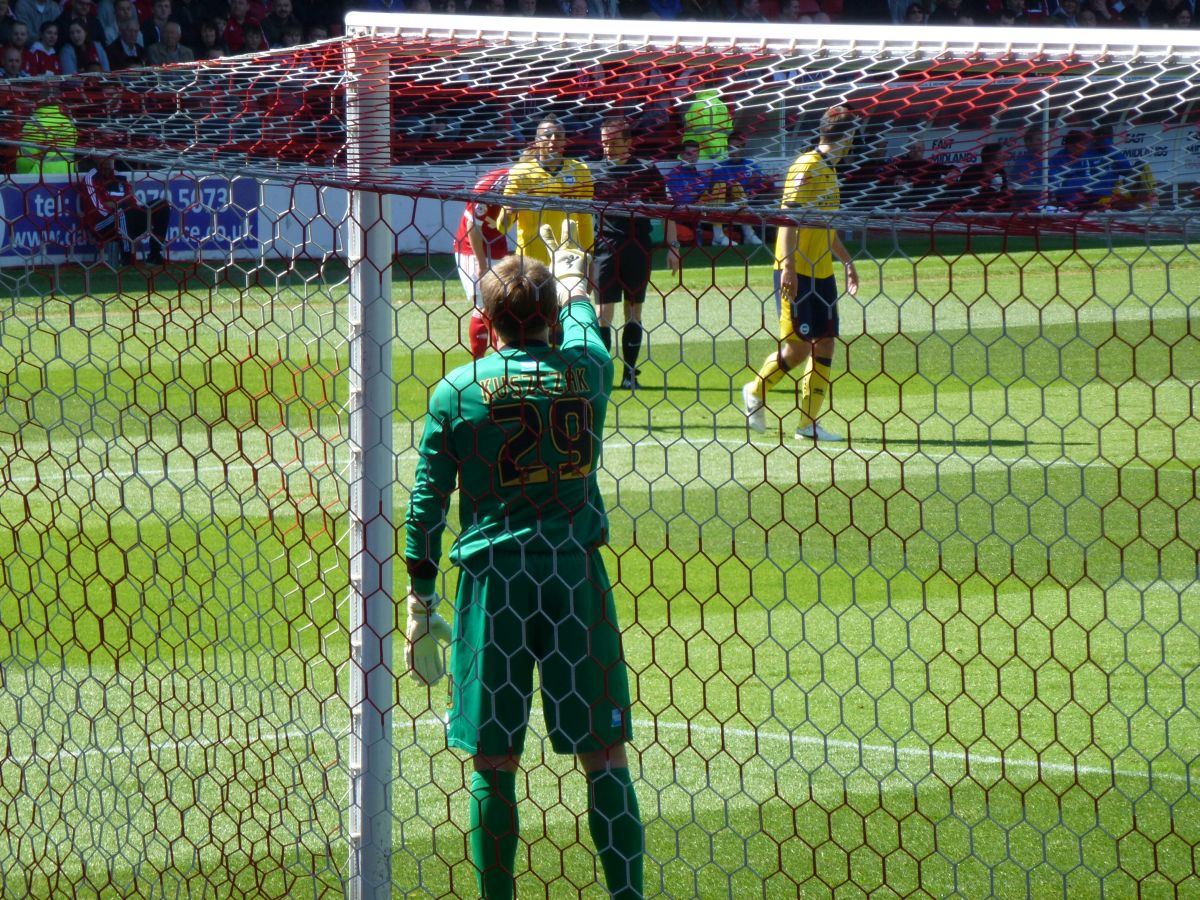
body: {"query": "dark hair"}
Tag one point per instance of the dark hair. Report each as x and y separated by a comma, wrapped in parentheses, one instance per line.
(838, 122)
(736, 136)
(990, 152)
(1074, 137)
(687, 144)
(520, 298)
(608, 123)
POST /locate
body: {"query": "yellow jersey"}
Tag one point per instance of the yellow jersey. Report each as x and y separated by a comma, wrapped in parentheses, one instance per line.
(571, 179)
(811, 183)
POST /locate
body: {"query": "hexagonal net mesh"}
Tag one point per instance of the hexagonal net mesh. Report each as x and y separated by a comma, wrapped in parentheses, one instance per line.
(939, 641)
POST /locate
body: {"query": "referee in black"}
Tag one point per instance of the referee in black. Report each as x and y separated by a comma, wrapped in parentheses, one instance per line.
(623, 243)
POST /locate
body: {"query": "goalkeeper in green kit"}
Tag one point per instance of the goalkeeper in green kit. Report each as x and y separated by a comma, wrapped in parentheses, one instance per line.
(518, 433)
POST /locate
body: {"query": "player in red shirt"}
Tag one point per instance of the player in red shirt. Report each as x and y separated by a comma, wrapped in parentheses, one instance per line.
(478, 243)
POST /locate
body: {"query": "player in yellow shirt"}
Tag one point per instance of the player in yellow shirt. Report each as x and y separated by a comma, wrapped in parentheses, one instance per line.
(543, 171)
(804, 281)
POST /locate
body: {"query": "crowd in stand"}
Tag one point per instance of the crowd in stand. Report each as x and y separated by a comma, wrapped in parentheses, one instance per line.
(61, 37)
(39, 37)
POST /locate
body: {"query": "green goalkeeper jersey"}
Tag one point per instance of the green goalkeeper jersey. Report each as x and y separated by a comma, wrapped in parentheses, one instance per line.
(518, 433)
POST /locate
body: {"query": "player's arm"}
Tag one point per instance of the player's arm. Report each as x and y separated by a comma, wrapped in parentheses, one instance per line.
(585, 189)
(433, 483)
(475, 237)
(426, 633)
(840, 251)
(786, 243)
(570, 266)
(671, 236)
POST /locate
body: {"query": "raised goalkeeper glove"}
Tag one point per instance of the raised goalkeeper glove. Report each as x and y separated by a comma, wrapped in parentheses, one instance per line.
(426, 636)
(569, 261)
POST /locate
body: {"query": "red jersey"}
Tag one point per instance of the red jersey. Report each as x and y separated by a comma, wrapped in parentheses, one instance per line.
(495, 242)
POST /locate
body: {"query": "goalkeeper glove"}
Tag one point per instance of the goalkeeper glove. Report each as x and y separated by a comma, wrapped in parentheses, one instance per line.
(426, 636)
(569, 261)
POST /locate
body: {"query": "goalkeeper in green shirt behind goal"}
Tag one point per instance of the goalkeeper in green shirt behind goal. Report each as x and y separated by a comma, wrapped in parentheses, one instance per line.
(519, 432)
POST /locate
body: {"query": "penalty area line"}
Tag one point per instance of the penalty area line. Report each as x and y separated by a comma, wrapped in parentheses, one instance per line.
(968, 760)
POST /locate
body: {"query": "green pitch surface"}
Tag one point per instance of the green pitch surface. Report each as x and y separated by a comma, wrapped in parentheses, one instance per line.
(959, 653)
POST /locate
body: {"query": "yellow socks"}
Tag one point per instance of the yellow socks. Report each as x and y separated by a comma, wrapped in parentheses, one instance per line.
(814, 388)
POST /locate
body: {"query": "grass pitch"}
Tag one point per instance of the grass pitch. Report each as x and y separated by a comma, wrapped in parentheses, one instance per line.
(957, 654)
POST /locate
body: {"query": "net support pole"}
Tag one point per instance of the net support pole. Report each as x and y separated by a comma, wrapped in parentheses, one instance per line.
(372, 528)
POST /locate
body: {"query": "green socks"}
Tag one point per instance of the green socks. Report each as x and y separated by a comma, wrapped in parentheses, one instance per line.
(616, 826)
(494, 827)
(613, 817)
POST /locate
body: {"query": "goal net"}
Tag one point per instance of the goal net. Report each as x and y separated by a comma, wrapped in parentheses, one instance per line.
(953, 652)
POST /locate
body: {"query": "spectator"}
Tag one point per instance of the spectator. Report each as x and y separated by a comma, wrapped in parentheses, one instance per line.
(44, 54)
(239, 18)
(919, 179)
(111, 209)
(1103, 14)
(320, 32)
(745, 181)
(688, 184)
(1070, 174)
(1013, 12)
(1182, 18)
(189, 14)
(36, 13)
(18, 38)
(6, 21)
(111, 15)
(1114, 181)
(1086, 18)
(914, 14)
(749, 11)
(169, 50)
(277, 22)
(496, 8)
(1141, 14)
(293, 35)
(85, 11)
(579, 9)
(14, 63)
(126, 51)
(947, 12)
(983, 186)
(1067, 14)
(152, 31)
(81, 51)
(1169, 9)
(253, 40)
(1025, 172)
(791, 11)
(210, 45)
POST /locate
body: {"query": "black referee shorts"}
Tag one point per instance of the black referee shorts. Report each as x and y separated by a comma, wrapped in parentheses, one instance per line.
(622, 269)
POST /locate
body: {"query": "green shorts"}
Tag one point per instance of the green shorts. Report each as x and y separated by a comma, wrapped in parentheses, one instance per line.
(556, 612)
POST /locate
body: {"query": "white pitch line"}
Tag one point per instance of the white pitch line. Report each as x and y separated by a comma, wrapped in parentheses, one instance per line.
(614, 445)
(965, 758)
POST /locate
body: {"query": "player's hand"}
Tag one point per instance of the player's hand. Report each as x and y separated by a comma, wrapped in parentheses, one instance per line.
(787, 283)
(851, 279)
(569, 261)
(426, 638)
